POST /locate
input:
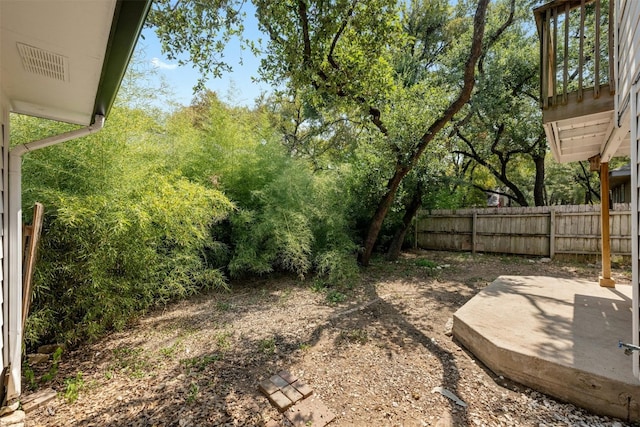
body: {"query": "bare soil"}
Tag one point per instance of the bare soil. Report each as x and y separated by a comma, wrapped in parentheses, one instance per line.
(373, 358)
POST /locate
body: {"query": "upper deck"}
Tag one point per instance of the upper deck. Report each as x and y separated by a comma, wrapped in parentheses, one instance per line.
(578, 79)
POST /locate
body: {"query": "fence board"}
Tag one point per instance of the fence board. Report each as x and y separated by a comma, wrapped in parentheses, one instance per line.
(525, 231)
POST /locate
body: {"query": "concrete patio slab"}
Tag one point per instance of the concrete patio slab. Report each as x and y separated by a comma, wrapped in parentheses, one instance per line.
(558, 336)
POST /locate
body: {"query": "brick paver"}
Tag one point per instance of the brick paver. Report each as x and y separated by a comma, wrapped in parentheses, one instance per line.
(290, 395)
(304, 389)
(267, 387)
(279, 381)
(280, 401)
(293, 394)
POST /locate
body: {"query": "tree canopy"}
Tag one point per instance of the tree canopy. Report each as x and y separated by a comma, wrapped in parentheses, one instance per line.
(355, 56)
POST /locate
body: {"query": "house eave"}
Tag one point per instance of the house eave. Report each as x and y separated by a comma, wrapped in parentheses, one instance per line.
(128, 20)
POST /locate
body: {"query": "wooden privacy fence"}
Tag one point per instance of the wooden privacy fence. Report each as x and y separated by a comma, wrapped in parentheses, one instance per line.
(542, 231)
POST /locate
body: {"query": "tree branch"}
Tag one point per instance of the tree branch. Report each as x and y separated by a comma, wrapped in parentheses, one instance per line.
(495, 36)
(304, 24)
(338, 34)
(467, 88)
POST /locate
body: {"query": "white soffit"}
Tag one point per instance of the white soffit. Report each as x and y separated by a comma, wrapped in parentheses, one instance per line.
(51, 56)
(582, 137)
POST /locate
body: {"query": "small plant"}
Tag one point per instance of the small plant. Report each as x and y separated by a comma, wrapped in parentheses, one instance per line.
(223, 306)
(199, 363)
(53, 371)
(72, 387)
(304, 346)
(192, 395)
(130, 360)
(318, 286)
(426, 263)
(223, 341)
(358, 336)
(335, 297)
(29, 376)
(170, 351)
(268, 346)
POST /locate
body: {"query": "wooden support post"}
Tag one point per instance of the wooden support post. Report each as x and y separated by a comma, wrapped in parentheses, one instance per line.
(605, 278)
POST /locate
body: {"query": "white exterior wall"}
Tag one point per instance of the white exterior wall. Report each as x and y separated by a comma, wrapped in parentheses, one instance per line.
(10, 264)
(627, 112)
(635, 193)
(628, 38)
(4, 148)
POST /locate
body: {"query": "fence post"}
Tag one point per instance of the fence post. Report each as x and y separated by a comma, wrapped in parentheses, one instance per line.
(552, 232)
(474, 222)
(415, 229)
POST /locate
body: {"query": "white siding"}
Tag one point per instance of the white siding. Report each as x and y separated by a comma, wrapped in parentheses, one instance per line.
(4, 147)
(628, 37)
(628, 112)
(635, 249)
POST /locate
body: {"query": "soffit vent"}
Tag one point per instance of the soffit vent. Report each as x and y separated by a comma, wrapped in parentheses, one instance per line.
(44, 63)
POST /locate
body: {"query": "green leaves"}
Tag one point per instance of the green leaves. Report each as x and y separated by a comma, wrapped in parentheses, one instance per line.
(121, 233)
(201, 29)
(340, 47)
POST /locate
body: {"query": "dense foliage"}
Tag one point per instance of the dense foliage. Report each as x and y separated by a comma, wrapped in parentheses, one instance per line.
(150, 210)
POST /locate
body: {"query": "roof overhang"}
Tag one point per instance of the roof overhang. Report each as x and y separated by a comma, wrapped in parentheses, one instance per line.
(578, 139)
(64, 60)
(580, 129)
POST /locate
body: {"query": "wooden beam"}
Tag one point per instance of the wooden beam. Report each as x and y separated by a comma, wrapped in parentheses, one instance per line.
(595, 164)
(605, 279)
(577, 108)
(30, 241)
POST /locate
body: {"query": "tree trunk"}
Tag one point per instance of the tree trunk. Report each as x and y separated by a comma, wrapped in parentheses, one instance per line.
(380, 215)
(398, 239)
(455, 106)
(538, 187)
(518, 195)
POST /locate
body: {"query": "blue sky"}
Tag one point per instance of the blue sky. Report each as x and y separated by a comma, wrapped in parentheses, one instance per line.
(235, 88)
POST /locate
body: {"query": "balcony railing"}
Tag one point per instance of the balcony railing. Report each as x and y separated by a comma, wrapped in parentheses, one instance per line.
(577, 57)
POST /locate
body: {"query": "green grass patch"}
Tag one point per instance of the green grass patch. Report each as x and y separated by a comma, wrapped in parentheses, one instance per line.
(335, 297)
(267, 346)
(223, 306)
(131, 361)
(199, 364)
(426, 263)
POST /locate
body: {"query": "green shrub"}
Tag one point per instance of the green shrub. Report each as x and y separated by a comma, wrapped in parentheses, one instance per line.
(149, 210)
(121, 233)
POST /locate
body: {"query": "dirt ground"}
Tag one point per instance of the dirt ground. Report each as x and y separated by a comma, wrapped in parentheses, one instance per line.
(373, 358)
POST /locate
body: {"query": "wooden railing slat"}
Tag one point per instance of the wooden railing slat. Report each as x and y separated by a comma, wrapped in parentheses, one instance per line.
(555, 56)
(612, 72)
(584, 75)
(545, 61)
(565, 74)
(596, 54)
(581, 55)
